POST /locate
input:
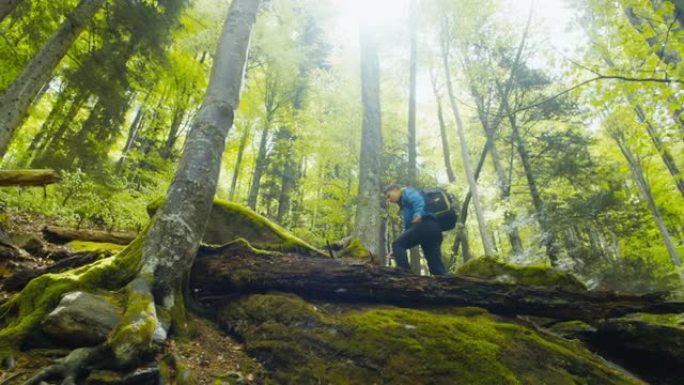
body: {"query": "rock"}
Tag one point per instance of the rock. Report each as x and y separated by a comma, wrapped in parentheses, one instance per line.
(229, 222)
(81, 319)
(493, 269)
(104, 377)
(391, 345)
(33, 245)
(143, 376)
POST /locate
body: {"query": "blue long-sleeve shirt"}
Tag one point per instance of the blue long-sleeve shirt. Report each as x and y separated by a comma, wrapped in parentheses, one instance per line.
(412, 203)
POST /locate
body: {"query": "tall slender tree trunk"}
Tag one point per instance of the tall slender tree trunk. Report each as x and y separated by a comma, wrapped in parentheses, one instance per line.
(368, 210)
(238, 163)
(49, 145)
(548, 234)
(172, 241)
(487, 242)
(647, 195)
(132, 135)
(412, 151)
(502, 181)
(172, 136)
(461, 240)
(663, 151)
(14, 103)
(259, 167)
(6, 7)
(42, 135)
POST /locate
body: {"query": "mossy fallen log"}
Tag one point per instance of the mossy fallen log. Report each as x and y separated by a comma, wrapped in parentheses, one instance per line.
(236, 268)
(62, 235)
(29, 177)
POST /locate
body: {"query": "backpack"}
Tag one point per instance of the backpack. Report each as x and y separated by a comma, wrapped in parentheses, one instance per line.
(442, 204)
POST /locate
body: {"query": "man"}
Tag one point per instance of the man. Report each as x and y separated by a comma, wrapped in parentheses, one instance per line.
(420, 228)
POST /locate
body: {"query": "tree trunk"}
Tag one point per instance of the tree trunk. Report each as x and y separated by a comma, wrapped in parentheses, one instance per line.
(549, 237)
(235, 269)
(663, 151)
(238, 163)
(647, 195)
(171, 244)
(171, 138)
(132, 135)
(461, 240)
(412, 151)
(259, 167)
(484, 232)
(42, 156)
(14, 103)
(368, 210)
(6, 7)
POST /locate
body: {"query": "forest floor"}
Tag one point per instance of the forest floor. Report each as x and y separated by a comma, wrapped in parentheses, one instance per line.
(207, 353)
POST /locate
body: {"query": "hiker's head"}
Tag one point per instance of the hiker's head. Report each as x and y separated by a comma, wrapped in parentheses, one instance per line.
(392, 192)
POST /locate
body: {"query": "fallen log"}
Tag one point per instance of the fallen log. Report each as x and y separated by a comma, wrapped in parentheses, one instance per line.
(23, 177)
(21, 278)
(236, 268)
(62, 235)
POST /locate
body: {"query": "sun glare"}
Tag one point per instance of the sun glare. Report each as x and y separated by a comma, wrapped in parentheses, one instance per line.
(379, 13)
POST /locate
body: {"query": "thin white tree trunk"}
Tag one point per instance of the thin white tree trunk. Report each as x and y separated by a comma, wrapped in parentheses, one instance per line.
(15, 102)
(487, 242)
(647, 195)
(368, 210)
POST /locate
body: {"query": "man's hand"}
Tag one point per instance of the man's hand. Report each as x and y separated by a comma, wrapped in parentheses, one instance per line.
(417, 219)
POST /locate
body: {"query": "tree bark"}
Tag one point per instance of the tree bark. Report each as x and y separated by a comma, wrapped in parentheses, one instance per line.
(235, 269)
(259, 167)
(6, 7)
(646, 193)
(487, 242)
(132, 135)
(461, 240)
(549, 237)
(14, 103)
(28, 177)
(663, 151)
(238, 163)
(368, 210)
(171, 244)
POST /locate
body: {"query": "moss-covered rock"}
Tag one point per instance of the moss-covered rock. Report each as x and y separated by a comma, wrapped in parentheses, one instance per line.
(300, 343)
(229, 221)
(534, 275)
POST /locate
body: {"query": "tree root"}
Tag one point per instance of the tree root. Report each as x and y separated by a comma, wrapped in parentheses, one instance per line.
(72, 366)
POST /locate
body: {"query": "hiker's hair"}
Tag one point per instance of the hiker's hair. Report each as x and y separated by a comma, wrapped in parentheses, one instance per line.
(390, 187)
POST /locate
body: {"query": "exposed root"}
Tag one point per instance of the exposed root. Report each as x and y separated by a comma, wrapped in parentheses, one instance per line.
(72, 366)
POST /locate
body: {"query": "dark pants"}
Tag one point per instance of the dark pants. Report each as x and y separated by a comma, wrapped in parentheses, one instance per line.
(428, 235)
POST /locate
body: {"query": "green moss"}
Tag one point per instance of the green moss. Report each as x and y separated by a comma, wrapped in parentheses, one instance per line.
(300, 343)
(93, 246)
(24, 312)
(229, 221)
(534, 275)
(354, 250)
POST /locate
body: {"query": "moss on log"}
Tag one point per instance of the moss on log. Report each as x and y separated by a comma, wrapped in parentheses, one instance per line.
(230, 221)
(235, 268)
(530, 275)
(28, 177)
(299, 343)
